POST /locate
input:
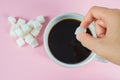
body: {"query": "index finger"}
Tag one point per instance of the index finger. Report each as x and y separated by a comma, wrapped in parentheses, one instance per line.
(93, 14)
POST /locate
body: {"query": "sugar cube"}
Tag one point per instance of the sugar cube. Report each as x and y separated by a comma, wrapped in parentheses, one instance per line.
(12, 20)
(36, 24)
(29, 39)
(26, 29)
(12, 33)
(20, 22)
(35, 32)
(20, 42)
(19, 32)
(34, 44)
(14, 26)
(41, 19)
(30, 23)
(79, 30)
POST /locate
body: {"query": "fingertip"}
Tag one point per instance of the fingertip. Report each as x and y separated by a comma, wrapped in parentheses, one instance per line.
(84, 24)
(80, 36)
(88, 19)
(87, 41)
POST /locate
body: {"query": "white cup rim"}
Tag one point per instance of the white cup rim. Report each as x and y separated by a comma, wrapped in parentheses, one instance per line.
(50, 26)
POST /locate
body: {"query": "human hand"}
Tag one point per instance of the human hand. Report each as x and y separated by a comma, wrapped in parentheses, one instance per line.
(107, 25)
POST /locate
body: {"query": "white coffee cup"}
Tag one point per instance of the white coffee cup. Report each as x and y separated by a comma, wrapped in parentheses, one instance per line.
(54, 21)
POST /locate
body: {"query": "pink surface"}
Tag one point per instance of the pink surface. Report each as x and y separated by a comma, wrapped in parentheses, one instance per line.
(33, 63)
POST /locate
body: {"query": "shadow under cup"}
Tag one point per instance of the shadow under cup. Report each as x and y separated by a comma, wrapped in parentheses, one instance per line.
(62, 45)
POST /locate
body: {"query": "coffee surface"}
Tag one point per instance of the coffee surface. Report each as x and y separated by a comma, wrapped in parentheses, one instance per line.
(63, 43)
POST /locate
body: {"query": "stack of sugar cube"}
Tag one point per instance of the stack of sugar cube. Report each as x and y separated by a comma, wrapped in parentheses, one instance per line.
(26, 32)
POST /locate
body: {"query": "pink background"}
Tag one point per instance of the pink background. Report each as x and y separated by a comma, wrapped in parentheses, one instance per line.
(28, 63)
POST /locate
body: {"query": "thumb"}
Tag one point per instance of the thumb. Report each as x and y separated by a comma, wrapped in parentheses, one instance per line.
(89, 41)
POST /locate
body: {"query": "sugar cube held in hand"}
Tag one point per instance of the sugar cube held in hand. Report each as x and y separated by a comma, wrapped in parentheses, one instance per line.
(79, 30)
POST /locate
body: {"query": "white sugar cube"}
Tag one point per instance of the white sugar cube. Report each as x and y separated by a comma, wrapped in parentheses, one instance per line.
(26, 29)
(79, 30)
(19, 32)
(35, 32)
(34, 44)
(29, 39)
(14, 26)
(12, 31)
(20, 22)
(12, 20)
(40, 19)
(30, 23)
(20, 42)
(36, 24)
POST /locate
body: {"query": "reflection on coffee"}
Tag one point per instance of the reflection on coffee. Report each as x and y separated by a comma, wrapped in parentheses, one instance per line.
(63, 43)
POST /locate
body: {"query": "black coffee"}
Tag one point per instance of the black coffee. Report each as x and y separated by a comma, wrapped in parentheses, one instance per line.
(63, 43)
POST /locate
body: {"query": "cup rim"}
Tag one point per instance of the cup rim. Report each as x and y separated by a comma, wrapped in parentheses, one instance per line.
(48, 28)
